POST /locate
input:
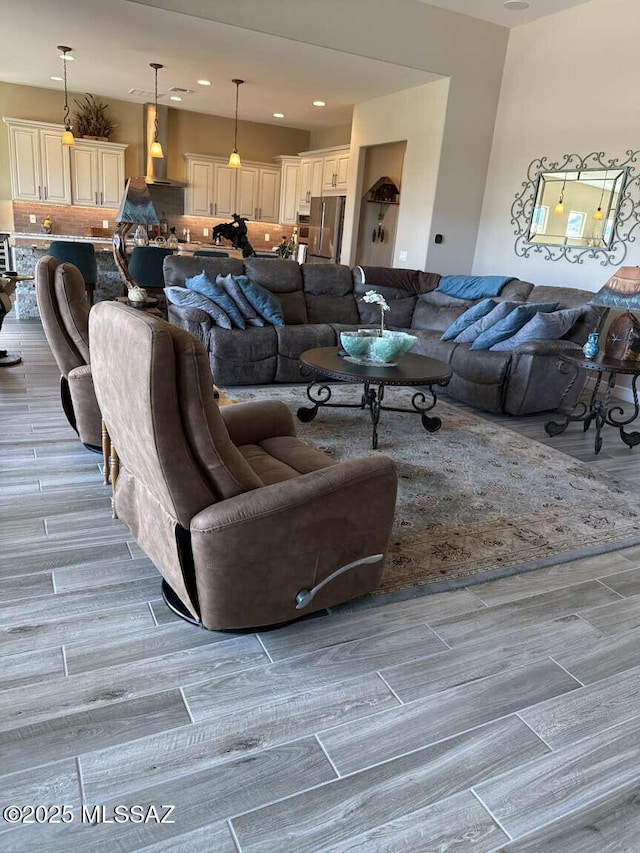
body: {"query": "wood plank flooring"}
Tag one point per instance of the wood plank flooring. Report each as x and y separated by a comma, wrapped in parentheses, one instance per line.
(501, 717)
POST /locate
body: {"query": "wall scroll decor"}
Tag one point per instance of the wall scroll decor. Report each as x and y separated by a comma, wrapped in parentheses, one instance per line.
(601, 195)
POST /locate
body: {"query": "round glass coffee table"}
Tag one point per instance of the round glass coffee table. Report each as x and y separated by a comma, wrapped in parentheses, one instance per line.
(410, 369)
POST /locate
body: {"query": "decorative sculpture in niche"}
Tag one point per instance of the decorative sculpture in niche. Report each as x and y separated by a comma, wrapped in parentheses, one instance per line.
(577, 208)
(236, 233)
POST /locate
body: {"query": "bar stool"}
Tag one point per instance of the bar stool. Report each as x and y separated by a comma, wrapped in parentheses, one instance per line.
(145, 266)
(82, 256)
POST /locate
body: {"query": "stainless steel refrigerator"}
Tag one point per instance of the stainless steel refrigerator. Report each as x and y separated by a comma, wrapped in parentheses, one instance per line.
(326, 220)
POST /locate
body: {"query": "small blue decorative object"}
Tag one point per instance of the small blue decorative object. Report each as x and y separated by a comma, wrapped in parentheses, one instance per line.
(591, 349)
(368, 346)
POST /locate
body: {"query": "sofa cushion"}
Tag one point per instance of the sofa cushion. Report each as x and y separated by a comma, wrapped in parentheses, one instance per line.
(278, 276)
(481, 366)
(437, 311)
(332, 309)
(400, 310)
(233, 287)
(480, 309)
(511, 324)
(294, 308)
(293, 341)
(216, 293)
(516, 291)
(468, 335)
(430, 344)
(283, 458)
(243, 357)
(177, 268)
(542, 327)
(182, 296)
(326, 279)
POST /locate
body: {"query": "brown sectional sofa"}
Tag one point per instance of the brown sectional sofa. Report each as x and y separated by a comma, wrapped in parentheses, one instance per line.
(321, 300)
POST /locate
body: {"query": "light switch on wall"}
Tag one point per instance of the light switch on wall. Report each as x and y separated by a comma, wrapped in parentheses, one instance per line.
(32, 218)
(403, 255)
(105, 223)
(205, 232)
(267, 237)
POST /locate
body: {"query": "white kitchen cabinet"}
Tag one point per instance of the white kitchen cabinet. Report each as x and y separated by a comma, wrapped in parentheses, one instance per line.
(216, 189)
(335, 171)
(39, 163)
(97, 173)
(290, 175)
(311, 172)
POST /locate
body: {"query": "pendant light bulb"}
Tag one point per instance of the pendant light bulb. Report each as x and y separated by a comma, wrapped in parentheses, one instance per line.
(234, 159)
(156, 148)
(67, 134)
(559, 208)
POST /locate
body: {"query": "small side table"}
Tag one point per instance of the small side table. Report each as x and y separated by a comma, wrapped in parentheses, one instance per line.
(599, 410)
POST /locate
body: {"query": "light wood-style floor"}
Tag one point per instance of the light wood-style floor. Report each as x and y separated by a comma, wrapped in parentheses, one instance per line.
(503, 717)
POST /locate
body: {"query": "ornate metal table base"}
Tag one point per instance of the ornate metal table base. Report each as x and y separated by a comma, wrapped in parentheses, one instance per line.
(598, 410)
(372, 399)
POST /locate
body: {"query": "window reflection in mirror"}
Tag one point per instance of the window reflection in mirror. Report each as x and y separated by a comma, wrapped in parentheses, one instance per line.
(576, 208)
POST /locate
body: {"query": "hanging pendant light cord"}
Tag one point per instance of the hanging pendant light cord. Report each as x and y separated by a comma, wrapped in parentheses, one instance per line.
(64, 51)
(235, 133)
(155, 121)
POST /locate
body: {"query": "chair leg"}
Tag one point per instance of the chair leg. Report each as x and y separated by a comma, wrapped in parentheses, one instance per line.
(106, 454)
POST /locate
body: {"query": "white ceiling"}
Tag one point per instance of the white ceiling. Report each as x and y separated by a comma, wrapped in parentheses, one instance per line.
(114, 41)
(494, 11)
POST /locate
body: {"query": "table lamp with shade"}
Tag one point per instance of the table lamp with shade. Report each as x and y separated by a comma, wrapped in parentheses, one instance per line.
(622, 291)
(136, 208)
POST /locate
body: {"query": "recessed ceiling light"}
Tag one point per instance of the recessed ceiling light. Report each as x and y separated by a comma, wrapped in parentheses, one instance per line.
(319, 104)
(56, 78)
(516, 5)
(204, 82)
(175, 98)
(67, 57)
(278, 115)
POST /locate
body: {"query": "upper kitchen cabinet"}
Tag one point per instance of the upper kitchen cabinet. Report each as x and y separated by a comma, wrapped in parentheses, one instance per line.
(216, 189)
(290, 174)
(335, 172)
(310, 183)
(97, 173)
(39, 163)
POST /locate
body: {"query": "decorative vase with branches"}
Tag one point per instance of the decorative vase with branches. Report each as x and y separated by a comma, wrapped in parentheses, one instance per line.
(92, 119)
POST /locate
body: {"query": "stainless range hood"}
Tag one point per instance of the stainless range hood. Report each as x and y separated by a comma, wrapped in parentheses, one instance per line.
(156, 167)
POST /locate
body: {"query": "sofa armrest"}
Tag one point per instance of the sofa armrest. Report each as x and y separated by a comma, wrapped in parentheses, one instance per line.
(251, 423)
(255, 552)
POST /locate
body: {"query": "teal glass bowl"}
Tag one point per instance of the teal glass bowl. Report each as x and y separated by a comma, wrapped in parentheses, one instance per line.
(367, 346)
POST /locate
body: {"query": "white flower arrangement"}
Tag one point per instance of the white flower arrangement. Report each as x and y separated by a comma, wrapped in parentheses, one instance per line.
(375, 298)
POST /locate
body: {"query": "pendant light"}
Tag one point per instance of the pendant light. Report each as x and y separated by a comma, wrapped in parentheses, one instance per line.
(156, 149)
(234, 159)
(598, 214)
(67, 135)
(559, 208)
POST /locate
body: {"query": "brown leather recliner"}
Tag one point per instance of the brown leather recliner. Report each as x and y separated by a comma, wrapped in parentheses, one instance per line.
(248, 525)
(64, 311)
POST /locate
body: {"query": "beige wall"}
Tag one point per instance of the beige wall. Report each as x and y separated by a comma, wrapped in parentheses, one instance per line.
(327, 137)
(567, 88)
(416, 116)
(381, 161)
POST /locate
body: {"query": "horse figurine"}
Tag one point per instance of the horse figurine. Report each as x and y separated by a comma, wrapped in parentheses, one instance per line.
(236, 233)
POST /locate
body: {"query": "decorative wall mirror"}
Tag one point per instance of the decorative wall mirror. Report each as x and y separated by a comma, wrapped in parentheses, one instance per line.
(580, 207)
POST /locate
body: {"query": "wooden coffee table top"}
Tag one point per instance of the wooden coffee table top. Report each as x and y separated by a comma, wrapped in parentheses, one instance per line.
(410, 369)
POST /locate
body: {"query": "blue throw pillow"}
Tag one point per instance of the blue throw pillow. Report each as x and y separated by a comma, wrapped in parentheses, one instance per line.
(468, 335)
(265, 303)
(202, 285)
(543, 327)
(191, 299)
(480, 309)
(472, 286)
(233, 287)
(512, 323)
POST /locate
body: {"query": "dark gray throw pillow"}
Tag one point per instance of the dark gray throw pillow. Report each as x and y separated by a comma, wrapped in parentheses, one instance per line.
(181, 296)
(233, 287)
(543, 327)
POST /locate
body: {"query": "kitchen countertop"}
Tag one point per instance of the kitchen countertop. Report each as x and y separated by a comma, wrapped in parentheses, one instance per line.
(17, 238)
